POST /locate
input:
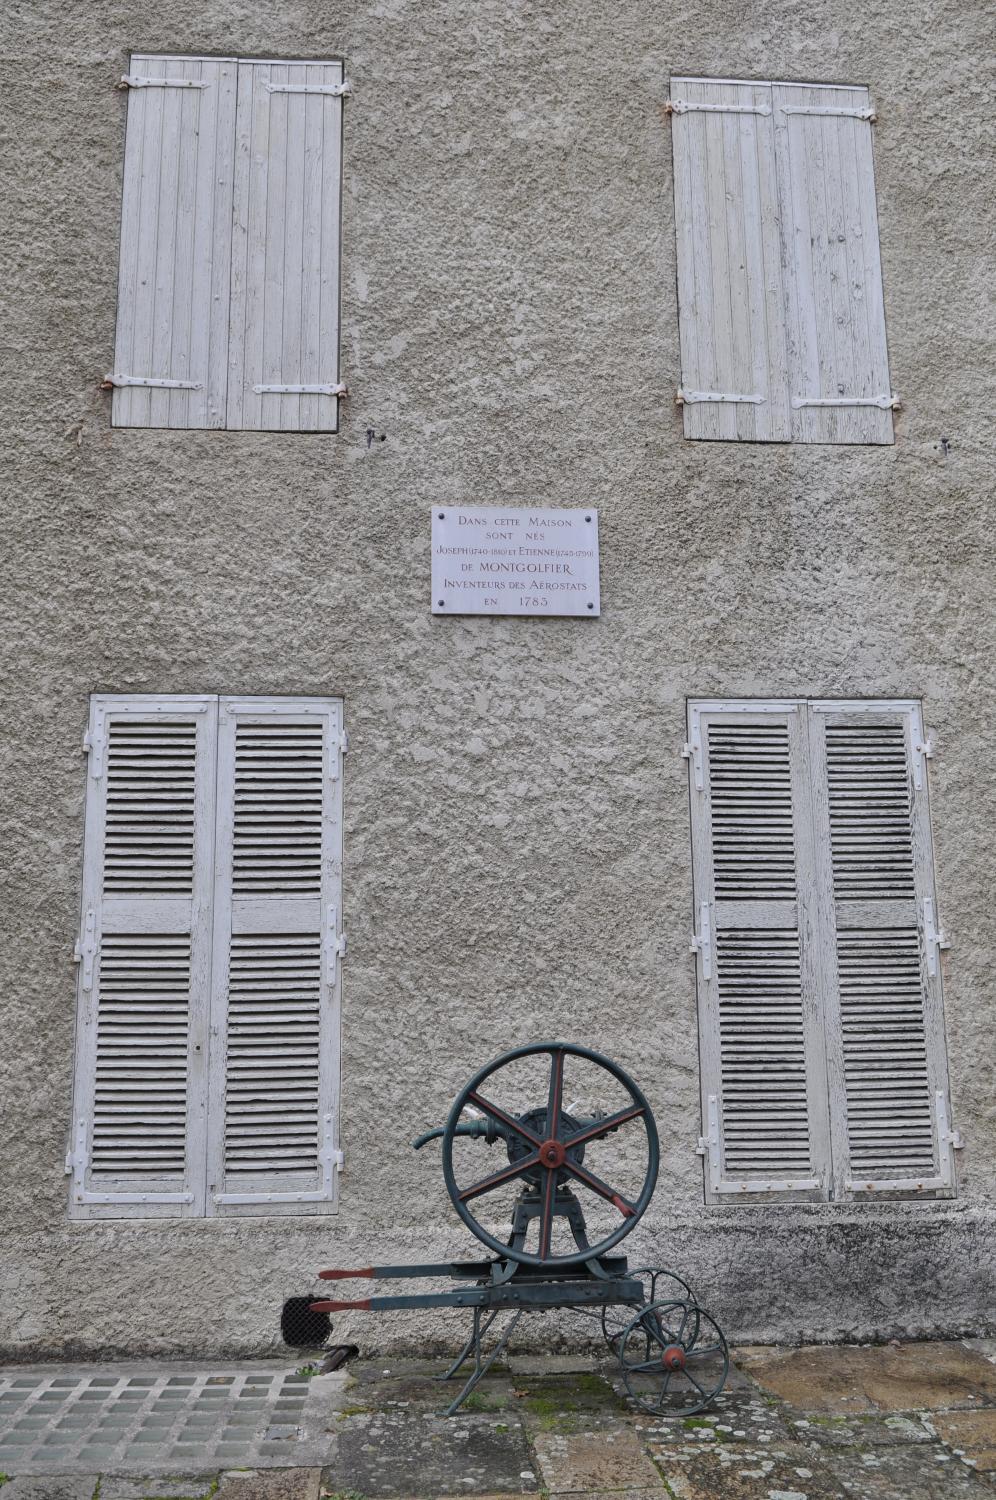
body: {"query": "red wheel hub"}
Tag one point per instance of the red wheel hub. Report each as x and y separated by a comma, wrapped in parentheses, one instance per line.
(552, 1154)
(673, 1357)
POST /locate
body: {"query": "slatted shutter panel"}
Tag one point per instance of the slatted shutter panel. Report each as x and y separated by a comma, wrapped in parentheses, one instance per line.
(837, 345)
(760, 1044)
(275, 1024)
(176, 224)
(285, 252)
(884, 1010)
(730, 293)
(144, 959)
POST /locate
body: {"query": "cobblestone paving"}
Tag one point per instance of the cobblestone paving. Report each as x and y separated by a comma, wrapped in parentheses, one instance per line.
(94, 1421)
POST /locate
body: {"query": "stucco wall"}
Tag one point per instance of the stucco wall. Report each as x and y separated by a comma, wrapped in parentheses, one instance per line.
(516, 845)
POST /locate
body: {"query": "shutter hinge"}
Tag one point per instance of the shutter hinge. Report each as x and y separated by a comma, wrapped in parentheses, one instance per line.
(332, 90)
(335, 943)
(85, 950)
(298, 390)
(702, 940)
(825, 109)
(692, 751)
(934, 938)
(683, 107)
(887, 403)
(708, 1145)
(137, 81)
(922, 750)
(93, 745)
(112, 380)
(689, 398)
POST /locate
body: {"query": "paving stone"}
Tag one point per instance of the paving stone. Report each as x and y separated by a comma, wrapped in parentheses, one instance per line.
(51, 1487)
(594, 1461)
(847, 1379)
(907, 1474)
(175, 1487)
(738, 1417)
(394, 1453)
(974, 1432)
(550, 1364)
(270, 1484)
(788, 1472)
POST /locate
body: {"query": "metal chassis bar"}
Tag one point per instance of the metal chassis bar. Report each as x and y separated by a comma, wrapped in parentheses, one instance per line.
(501, 1295)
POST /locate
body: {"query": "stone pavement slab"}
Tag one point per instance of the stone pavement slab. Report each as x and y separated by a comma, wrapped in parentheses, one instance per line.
(417, 1452)
(51, 1487)
(971, 1432)
(847, 1379)
(906, 1474)
(155, 1487)
(594, 1461)
(271, 1484)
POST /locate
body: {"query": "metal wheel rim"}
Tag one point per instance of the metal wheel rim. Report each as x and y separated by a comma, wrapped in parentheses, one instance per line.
(528, 1257)
(709, 1392)
(611, 1311)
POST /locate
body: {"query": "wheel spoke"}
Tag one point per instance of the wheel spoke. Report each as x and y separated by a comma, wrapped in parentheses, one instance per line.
(697, 1353)
(596, 1185)
(681, 1330)
(555, 1097)
(602, 1127)
(546, 1213)
(645, 1367)
(496, 1179)
(509, 1121)
(702, 1392)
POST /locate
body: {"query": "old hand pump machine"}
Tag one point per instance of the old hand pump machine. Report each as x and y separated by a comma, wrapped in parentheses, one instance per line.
(562, 1160)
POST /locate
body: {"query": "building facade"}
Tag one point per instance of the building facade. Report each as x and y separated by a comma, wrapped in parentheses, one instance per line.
(312, 272)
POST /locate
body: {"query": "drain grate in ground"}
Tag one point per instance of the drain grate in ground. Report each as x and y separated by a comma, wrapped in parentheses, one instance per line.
(52, 1424)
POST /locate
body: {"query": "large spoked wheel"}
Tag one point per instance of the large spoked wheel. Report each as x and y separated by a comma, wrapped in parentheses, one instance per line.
(547, 1146)
(674, 1359)
(659, 1285)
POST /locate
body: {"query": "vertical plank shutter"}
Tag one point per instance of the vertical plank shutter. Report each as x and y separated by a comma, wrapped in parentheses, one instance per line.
(761, 1052)
(884, 1011)
(144, 959)
(275, 1020)
(829, 224)
(730, 292)
(285, 250)
(172, 328)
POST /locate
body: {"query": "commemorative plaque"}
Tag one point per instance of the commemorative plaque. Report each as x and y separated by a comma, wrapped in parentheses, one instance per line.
(488, 560)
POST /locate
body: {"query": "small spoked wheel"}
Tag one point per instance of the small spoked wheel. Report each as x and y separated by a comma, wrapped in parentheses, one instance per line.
(659, 1285)
(674, 1359)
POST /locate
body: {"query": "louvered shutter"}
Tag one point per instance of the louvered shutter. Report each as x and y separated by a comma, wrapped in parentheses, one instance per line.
(838, 360)
(144, 959)
(275, 1020)
(882, 970)
(730, 293)
(176, 224)
(761, 1045)
(285, 251)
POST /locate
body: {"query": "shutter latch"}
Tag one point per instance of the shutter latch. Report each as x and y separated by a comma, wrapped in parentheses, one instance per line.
(934, 938)
(93, 744)
(702, 940)
(85, 950)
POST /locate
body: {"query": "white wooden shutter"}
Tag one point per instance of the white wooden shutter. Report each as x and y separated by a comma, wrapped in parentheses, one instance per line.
(275, 1019)
(889, 1091)
(144, 959)
(176, 225)
(734, 379)
(837, 346)
(763, 1096)
(284, 357)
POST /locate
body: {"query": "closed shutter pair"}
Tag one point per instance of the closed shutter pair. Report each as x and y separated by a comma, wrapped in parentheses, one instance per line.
(780, 301)
(207, 1072)
(821, 1028)
(228, 293)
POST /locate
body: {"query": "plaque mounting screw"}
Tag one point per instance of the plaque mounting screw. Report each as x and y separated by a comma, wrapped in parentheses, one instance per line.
(442, 603)
(591, 606)
(441, 514)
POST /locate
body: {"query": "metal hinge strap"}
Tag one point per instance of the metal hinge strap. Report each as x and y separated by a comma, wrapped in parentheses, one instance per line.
(333, 90)
(85, 950)
(153, 382)
(137, 81)
(683, 107)
(300, 390)
(826, 109)
(689, 398)
(93, 744)
(885, 402)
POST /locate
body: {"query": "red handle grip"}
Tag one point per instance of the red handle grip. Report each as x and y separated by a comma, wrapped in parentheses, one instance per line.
(344, 1275)
(328, 1307)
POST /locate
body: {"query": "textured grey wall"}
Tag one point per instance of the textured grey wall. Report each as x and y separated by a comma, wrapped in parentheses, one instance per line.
(517, 847)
